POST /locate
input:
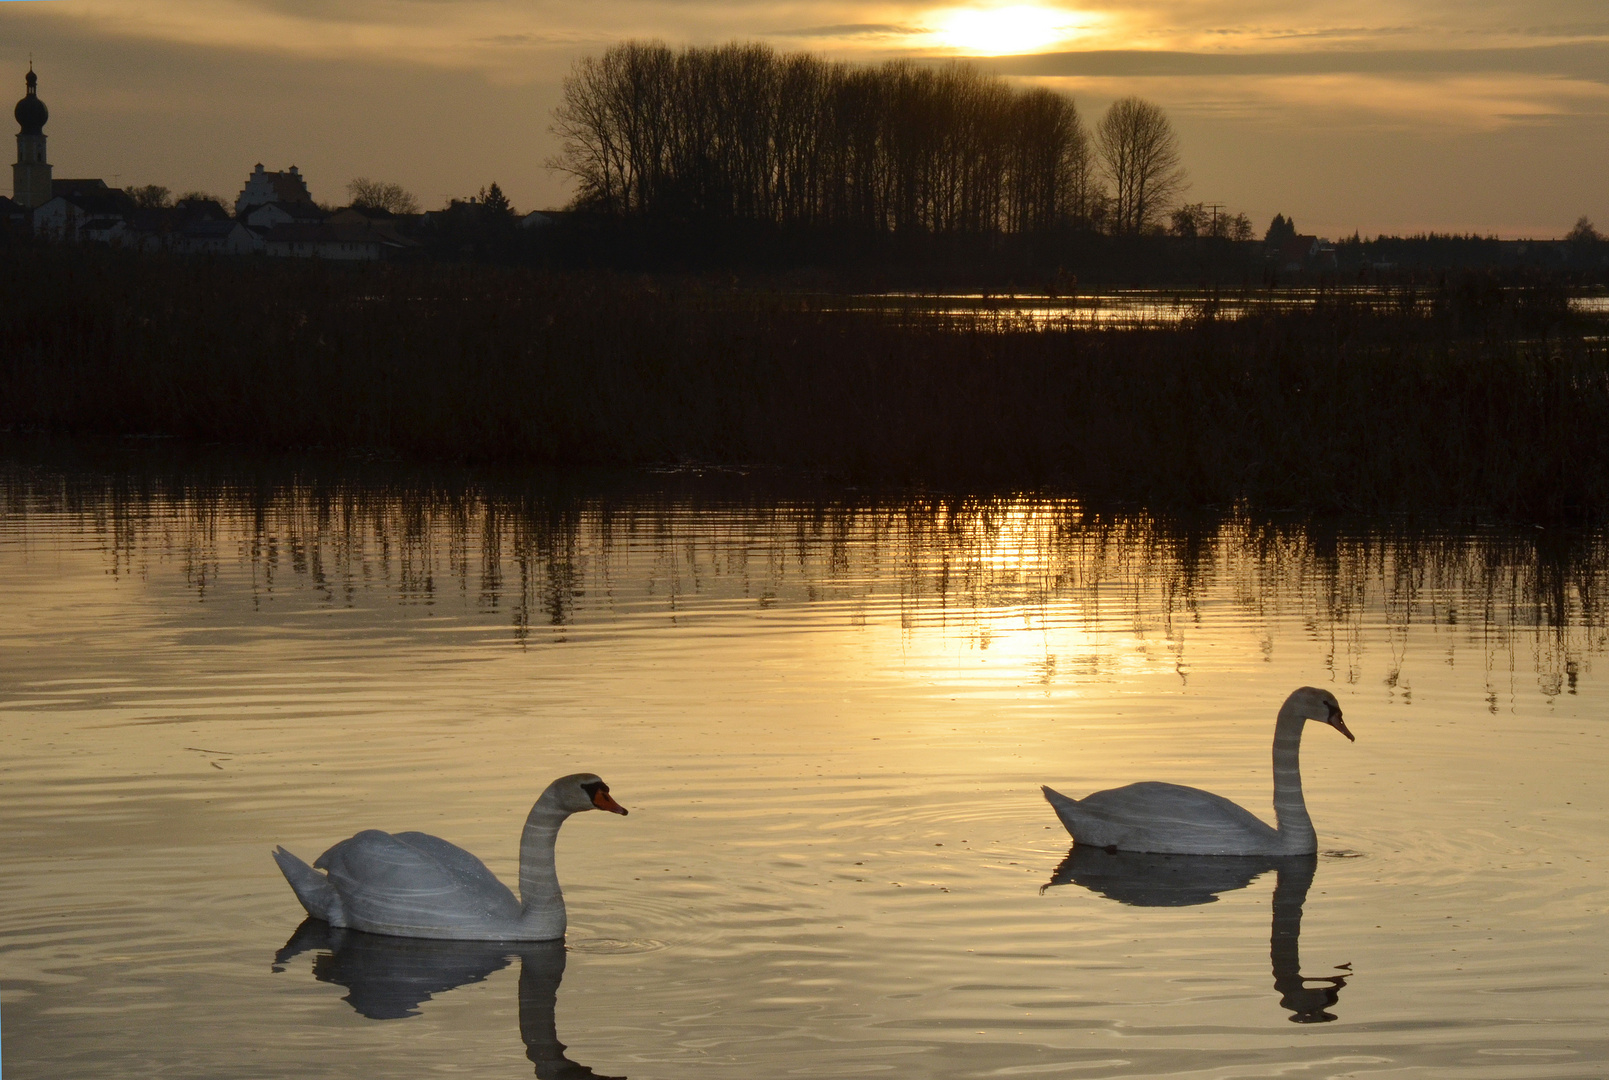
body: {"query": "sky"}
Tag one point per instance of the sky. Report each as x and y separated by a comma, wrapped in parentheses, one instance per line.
(1376, 116)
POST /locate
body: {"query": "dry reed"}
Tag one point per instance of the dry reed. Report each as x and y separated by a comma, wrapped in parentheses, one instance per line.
(1477, 401)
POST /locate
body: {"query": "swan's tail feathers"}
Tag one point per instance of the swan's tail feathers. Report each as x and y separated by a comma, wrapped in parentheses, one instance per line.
(1056, 798)
(312, 888)
(1065, 809)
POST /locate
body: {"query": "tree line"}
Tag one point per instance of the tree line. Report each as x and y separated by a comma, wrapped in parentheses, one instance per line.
(743, 132)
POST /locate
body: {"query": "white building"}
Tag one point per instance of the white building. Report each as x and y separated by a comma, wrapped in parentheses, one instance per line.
(269, 214)
(269, 187)
(76, 203)
(227, 237)
(323, 241)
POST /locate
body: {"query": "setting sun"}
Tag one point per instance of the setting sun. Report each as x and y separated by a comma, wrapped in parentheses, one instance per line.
(1006, 30)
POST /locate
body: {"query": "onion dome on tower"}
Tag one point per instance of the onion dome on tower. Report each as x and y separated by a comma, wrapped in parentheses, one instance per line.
(30, 176)
(30, 111)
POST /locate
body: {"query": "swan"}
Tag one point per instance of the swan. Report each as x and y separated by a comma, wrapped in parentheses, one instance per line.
(415, 885)
(1175, 820)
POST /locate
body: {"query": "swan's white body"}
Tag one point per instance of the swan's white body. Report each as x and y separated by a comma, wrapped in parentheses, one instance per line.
(416, 885)
(1176, 820)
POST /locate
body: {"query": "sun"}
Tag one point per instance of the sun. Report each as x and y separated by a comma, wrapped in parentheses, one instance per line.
(1003, 31)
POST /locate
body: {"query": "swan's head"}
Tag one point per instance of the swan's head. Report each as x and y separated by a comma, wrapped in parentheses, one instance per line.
(1320, 705)
(582, 791)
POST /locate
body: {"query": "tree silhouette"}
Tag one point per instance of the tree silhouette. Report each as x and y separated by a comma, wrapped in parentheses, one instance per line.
(1584, 232)
(151, 196)
(743, 132)
(369, 194)
(1198, 219)
(1140, 156)
(1280, 230)
(495, 202)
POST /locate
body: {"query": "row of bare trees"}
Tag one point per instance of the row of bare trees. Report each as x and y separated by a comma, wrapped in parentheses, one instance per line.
(741, 131)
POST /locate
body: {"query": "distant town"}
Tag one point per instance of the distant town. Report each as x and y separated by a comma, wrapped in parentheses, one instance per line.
(275, 215)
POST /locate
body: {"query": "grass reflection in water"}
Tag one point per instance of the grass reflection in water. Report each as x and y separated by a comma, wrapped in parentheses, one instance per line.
(548, 560)
(833, 710)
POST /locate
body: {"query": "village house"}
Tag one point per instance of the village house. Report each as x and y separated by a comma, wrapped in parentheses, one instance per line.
(322, 241)
(383, 224)
(215, 237)
(1299, 254)
(84, 210)
(15, 218)
(271, 214)
(287, 188)
(274, 214)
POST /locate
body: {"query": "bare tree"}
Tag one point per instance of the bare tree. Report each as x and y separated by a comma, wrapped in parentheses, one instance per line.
(743, 132)
(151, 196)
(198, 195)
(1199, 219)
(1082, 197)
(393, 198)
(1140, 156)
(1191, 220)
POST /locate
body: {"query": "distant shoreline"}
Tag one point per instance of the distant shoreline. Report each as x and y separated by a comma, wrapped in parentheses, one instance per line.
(1464, 396)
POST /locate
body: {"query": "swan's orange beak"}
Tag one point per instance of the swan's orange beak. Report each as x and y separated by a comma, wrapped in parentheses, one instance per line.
(602, 801)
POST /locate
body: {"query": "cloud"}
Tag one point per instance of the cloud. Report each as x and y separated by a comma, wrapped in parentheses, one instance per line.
(850, 30)
(464, 34)
(1364, 113)
(1587, 61)
(471, 33)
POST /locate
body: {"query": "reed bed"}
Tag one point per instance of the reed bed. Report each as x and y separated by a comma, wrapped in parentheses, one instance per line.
(1469, 399)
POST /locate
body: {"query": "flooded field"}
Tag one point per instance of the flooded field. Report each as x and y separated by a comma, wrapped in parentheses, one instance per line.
(830, 717)
(1152, 307)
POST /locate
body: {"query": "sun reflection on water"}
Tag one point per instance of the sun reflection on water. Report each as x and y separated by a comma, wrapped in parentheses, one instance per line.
(1018, 590)
(830, 717)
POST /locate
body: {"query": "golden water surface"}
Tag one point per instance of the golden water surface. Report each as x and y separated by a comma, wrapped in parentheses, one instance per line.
(829, 716)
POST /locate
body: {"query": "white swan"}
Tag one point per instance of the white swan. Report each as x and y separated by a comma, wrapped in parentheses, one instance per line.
(1175, 820)
(416, 885)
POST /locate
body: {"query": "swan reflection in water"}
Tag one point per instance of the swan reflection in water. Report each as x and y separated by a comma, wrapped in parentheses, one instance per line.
(1185, 880)
(390, 977)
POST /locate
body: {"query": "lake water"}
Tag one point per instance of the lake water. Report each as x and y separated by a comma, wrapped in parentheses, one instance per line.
(829, 715)
(1121, 308)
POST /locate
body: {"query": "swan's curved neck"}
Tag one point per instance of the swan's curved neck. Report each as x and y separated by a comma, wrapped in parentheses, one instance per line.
(539, 877)
(1290, 809)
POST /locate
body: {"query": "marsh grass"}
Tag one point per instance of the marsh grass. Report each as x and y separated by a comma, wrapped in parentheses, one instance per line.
(1470, 398)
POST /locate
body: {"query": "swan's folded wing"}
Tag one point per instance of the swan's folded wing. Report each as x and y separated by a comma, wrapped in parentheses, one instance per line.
(1162, 817)
(389, 884)
(1152, 801)
(454, 858)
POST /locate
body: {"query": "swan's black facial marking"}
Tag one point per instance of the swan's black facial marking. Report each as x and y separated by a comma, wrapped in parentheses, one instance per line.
(1335, 721)
(598, 792)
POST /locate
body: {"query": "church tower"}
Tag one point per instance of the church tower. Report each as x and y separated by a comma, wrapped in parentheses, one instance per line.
(30, 176)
